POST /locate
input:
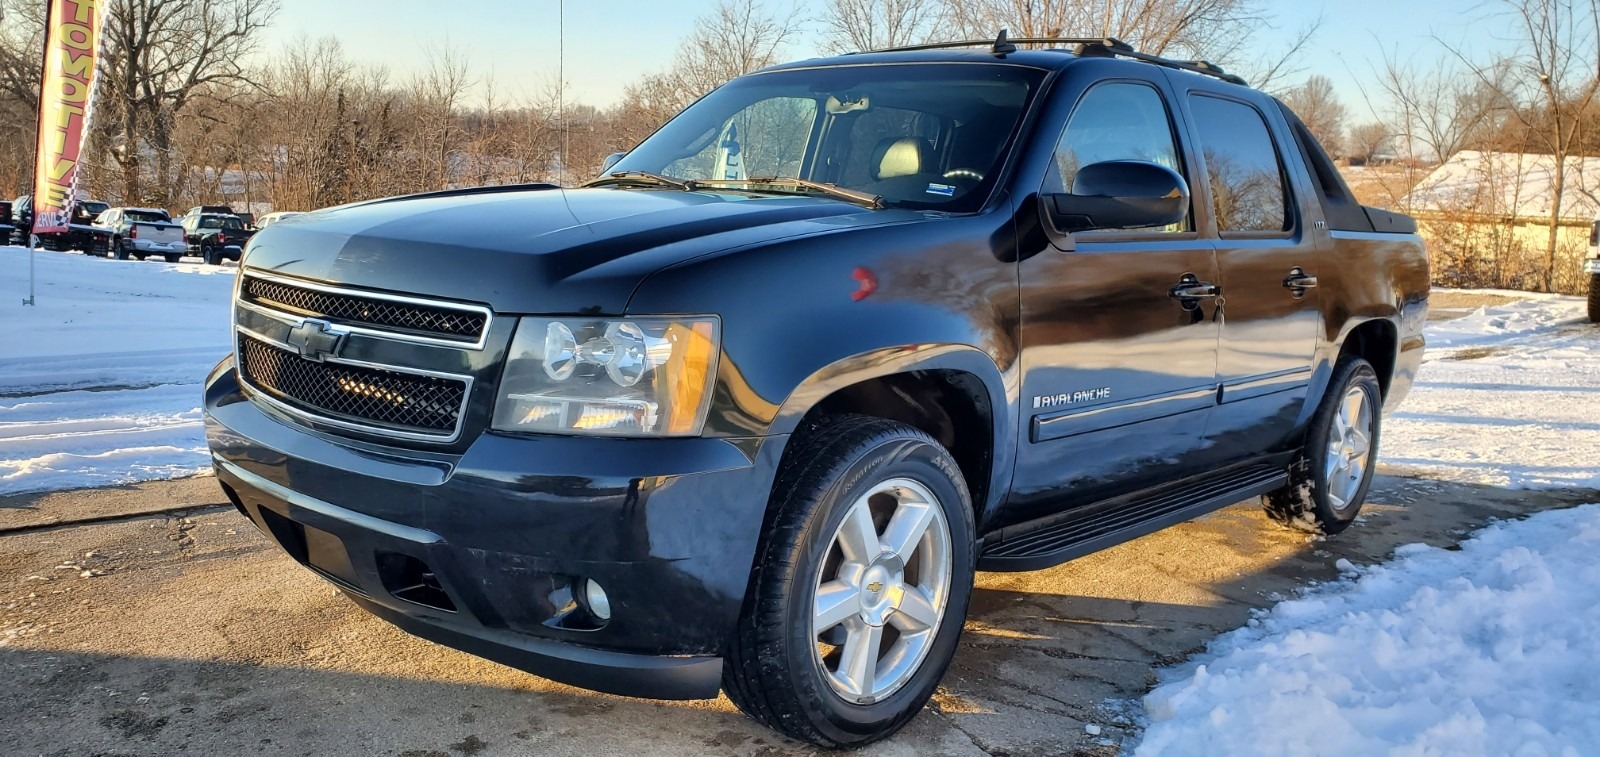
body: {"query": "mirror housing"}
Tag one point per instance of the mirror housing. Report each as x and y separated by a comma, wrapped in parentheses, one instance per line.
(1120, 195)
(610, 161)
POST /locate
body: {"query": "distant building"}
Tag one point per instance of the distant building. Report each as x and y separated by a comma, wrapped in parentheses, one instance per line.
(1491, 211)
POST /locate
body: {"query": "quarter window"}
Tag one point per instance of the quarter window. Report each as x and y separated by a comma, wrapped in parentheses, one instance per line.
(1115, 121)
(1242, 166)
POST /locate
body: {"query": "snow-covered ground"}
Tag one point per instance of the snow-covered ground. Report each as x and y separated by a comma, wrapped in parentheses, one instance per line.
(100, 381)
(1508, 396)
(1489, 650)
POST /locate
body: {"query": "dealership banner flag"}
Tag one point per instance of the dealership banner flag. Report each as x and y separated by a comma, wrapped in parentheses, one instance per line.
(71, 50)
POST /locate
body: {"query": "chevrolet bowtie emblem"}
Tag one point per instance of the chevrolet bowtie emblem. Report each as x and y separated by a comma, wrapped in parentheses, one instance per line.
(317, 340)
(875, 587)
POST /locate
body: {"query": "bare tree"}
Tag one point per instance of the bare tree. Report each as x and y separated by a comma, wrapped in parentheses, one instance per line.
(1437, 109)
(1366, 141)
(1552, 81)
(1317, 105)
(159, 56)
(850, 25)
(1215, 29)
(738, 37)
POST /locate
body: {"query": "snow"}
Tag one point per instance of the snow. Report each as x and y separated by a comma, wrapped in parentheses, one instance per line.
(1490, 650)
(1507, 396)
(100, 381)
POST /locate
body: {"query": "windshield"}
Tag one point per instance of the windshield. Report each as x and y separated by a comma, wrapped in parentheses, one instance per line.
(920, 136)
(145, 216)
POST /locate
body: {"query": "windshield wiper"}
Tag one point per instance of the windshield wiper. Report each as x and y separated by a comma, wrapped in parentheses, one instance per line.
(864, 199)
(637, 177)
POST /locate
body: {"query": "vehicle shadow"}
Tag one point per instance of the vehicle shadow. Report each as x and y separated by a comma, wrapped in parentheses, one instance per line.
(236, 662)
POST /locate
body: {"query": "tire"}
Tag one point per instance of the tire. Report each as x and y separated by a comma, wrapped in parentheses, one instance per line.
(120, 248)
(173, 257)
(209, 254)
(1324, 496)
(774, 670)
(1594, 298)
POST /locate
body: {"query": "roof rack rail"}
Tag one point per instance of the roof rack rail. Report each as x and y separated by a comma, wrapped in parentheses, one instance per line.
(1103, 47)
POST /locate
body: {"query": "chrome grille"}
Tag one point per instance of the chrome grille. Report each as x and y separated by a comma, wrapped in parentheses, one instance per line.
(388, 400)
(465, 324)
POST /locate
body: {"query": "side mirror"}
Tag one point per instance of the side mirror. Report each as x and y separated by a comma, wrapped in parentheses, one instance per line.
(1121, 194)
(610, 161)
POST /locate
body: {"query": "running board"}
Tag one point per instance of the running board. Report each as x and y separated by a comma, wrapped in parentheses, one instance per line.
(1092, 528)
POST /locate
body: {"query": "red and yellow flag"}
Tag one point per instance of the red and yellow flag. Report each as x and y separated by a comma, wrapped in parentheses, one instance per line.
(71, 49)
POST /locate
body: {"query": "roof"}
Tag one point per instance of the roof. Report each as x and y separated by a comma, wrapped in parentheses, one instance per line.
(1503, 184)
(1050, 59)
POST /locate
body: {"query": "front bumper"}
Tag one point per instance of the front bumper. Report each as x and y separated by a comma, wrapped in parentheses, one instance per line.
(486, 551)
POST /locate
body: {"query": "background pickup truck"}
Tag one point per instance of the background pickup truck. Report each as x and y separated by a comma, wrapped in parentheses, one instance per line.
(5, 222)
(138, 233)
(216, 237)
(79, 236)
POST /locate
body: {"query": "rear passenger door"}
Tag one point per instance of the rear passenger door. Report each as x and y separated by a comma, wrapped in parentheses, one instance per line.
(1267, 263)
(1119, 347)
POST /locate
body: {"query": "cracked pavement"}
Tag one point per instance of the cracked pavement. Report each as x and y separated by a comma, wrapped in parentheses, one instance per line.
(189, 632)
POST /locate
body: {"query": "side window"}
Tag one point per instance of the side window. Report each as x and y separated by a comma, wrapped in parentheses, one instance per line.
(1242, 166)
(1115, 121)
(768, 138)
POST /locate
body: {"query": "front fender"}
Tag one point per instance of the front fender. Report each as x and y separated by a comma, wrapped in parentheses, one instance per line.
(889, 361)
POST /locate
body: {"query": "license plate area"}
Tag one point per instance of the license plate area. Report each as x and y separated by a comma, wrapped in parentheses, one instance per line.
(313, 547)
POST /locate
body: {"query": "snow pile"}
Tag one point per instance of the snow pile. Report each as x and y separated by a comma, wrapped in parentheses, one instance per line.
(100, 381)
(1508, 396)
(1488, 650)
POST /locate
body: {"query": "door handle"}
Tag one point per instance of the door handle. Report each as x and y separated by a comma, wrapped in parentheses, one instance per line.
(1192, 288)
(1299, 281)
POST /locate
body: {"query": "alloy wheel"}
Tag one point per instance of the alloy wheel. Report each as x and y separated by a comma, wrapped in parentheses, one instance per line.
(882, 590)
(1349, 447)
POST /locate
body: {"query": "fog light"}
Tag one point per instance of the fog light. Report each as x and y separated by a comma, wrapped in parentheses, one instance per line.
(595, 597)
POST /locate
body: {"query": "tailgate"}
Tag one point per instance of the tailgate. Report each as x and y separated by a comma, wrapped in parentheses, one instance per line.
(158, 232)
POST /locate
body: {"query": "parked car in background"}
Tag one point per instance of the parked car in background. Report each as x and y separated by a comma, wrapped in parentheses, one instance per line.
(80, 234)
(224, 210)
(216, 237)
(249, 219)
(5, 222)
(138, 233)
(272, 218)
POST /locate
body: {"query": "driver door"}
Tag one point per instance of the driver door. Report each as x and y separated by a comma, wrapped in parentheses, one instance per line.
(1119, 369)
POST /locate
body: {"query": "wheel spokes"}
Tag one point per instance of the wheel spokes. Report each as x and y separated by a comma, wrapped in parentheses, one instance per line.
(858, 664)
(906, 528)
(836, 602)
(916, 612)
(858, 537)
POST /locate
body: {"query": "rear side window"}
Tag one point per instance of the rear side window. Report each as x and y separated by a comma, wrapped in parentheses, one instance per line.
(1242, 166)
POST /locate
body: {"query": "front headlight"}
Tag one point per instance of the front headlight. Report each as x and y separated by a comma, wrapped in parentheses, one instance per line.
(613, 377)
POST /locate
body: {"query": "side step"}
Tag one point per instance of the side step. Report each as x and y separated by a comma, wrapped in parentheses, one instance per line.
(1095, 527)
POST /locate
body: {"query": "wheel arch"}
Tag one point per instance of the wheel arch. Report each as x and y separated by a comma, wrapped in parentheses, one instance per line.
(955, 393)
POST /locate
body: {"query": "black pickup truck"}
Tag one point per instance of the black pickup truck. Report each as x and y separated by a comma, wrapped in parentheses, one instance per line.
(80, 234)
(215, 237)
(749, 411)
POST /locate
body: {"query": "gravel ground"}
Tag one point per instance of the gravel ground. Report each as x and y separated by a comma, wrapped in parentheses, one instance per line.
(189, 633)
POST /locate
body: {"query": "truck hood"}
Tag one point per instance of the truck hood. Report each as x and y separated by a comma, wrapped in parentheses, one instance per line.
(538, 251)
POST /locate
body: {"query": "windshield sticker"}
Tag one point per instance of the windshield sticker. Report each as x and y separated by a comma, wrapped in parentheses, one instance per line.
(943, 190)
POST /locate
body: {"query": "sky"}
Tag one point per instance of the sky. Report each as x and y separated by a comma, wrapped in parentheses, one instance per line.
(610, 43)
